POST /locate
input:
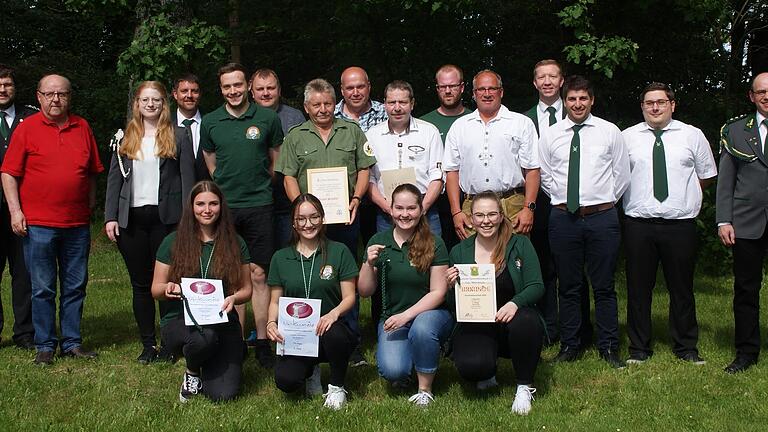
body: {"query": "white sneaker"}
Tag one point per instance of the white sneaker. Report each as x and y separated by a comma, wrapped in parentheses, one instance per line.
(335, 398)
(487, 384)
(422, 399)
(523, 398)
(313, 384)
(190, 387)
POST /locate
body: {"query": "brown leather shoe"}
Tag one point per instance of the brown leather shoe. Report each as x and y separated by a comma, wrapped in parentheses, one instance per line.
(44, 358)
(80, 353)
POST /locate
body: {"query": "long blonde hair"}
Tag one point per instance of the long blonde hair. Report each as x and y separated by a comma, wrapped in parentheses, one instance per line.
(421, 249)
(165, 140)
(504, 233)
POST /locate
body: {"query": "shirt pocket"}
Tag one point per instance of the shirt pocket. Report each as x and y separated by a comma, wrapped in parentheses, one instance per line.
(344, 154)
(305, 153)
(513, 142)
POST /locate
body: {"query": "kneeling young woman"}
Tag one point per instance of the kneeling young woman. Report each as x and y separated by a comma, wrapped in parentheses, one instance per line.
(204, 246)
(314, 267)
(408, 264)
(518, 332)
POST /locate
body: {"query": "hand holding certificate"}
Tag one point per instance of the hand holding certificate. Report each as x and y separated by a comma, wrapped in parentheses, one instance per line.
(204, 298)
(297, 322)
(331, 187)
(476, 293)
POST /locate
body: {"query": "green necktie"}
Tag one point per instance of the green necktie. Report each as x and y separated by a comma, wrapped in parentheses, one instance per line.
(574, 165)
(4, 131)
(660, 187)
(552, 117)
(188, 126)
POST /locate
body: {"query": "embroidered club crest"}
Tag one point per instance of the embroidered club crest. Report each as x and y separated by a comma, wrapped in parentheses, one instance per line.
(252, 133)
(367, 149)
(518, 263)
(326, 273)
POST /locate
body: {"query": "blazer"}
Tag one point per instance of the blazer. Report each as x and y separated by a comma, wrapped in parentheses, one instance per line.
(22, 112)
(742, 183)
(201, 170)
(177, 176)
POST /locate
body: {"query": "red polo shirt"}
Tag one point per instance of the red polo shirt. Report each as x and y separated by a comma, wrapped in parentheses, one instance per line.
(53, 166)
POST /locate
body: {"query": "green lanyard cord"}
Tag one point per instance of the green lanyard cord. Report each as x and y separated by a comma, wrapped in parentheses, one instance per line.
(383, 264)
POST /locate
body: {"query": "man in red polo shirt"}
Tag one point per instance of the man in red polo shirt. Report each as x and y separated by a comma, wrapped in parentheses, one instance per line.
(48, 177)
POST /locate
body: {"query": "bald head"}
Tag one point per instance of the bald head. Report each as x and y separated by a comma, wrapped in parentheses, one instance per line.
(758, 94)
(53, 94)
(355, 89)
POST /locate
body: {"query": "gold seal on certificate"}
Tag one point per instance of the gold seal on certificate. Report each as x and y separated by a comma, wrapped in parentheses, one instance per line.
(331, 187)
(476, 293)
(391, 179)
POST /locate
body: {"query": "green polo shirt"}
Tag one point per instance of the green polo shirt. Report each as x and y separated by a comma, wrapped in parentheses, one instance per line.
(405, 285)
(330, 268)
(443, 123)
(173, 310)
(303, 149)
(242, 148)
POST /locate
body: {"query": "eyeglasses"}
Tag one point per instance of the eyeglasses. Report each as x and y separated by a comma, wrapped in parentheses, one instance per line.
(488, 89)
(492, 216)
(314, 220)
(662, 103)
(759, 93)
(145, 101)
(444, 88)
(50, 95)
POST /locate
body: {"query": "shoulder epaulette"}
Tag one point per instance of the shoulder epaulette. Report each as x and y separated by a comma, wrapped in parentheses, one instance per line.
(293, 127)
(726, 145)
(33, 108)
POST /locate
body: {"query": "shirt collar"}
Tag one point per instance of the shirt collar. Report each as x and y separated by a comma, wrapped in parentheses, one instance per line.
(672, 125)
(504, 113)
(180, 117)
(543, 107)
(412, 127)
(759, 119)
(589, 121)
(72, 120)
(10, 112)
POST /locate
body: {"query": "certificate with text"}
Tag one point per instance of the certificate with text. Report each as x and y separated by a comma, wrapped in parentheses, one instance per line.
(204, 298)
(331, 187)
(476, 293)
(391, 179)
(297, 321)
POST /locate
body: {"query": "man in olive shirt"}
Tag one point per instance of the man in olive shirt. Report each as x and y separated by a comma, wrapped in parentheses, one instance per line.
(449, 84)
(240, 143)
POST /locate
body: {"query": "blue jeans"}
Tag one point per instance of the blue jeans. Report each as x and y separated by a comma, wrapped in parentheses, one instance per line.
(63, 253)
(413, 346)
(384, 221)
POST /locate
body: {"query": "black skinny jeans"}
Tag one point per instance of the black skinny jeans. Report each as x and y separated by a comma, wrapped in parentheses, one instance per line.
(138, 245)
(476, 346)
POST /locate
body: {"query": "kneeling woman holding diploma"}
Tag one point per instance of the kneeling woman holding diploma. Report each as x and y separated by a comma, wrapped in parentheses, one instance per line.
(313, 267)
(518, 330)
(205, 246)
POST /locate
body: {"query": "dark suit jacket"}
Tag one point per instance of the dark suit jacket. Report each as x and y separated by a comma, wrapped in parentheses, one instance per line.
(742, 185)
(22, 112)
(201, 170)
(177, 176)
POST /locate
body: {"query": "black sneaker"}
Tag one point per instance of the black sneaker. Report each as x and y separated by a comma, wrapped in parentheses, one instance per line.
(190, 387)
(568, 354)
(356, 358)
(612, 358)
(693, 357)
(148, 355)
(264, 353)
(166, 355)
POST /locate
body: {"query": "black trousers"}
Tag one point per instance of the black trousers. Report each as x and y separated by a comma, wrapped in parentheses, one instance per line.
(336, 346)
(673, 243)
(476, 346)
(592, 240)
(11, 249)
(217, 354)
(748, 258)
(138, 245)
(548, 304)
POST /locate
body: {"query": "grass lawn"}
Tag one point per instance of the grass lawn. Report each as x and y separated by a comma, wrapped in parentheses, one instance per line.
(114, 392)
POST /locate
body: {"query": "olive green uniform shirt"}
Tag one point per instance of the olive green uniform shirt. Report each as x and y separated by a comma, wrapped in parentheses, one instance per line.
(323, 272)
(303, 149)
(404, 285)
(242, 148)
(173, 310)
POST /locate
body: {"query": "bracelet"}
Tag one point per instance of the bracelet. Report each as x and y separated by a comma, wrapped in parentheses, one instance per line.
(355, 197)
(460, 211)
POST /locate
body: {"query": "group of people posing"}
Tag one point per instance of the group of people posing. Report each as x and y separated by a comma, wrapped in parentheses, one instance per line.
(226, 196)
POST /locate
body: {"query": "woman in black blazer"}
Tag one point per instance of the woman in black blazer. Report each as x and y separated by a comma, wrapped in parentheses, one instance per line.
(151, 172)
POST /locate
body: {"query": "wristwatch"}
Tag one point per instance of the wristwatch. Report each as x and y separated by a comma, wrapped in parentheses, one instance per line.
(531, 206)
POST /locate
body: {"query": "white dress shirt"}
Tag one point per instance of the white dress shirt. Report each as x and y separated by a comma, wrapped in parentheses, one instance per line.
(420, 147)
(195, 127)
(762, 130)
(604, 164)
(688, 157)
(543, 115)
(10, 115)
(146, 175)
(491, 156)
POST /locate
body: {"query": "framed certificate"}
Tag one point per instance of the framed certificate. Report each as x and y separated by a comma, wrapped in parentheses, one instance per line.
(297, 320)
(331, 187)
(391, 179)
(205, 297)
(476, 293)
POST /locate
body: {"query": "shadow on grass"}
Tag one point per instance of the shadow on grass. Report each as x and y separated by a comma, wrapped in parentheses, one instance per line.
(113, 328)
